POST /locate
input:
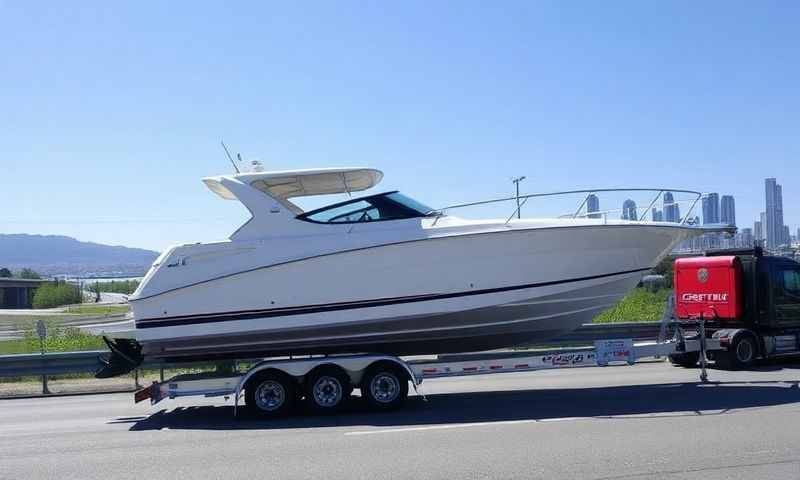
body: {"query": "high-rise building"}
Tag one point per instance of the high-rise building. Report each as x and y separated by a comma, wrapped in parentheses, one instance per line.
(593, 205)
(798, 235)
(758, 232)
(774, 214)
(658, 215)
(711, 208)
(629, 210)
(745, 238)
(786, 238)
(728, 210)
(672, 212)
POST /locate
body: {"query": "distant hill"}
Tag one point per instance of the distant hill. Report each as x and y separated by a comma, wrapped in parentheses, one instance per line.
(60, 255)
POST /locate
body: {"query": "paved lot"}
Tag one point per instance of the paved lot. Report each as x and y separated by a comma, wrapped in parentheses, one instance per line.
(648, 421)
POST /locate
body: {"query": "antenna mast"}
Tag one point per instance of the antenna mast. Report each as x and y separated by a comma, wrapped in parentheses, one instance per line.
(235, 167)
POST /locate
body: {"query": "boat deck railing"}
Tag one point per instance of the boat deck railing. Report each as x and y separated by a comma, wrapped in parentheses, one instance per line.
(583, 211)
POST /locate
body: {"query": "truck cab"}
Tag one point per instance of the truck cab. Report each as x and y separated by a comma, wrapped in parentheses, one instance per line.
(751, 302)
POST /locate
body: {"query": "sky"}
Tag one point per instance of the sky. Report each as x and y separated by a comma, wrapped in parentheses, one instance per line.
(111, 112)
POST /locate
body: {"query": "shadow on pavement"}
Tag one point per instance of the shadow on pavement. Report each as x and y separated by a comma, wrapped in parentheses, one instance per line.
(676, 398)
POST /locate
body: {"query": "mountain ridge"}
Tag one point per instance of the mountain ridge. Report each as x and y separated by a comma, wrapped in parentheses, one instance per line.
(63, 255)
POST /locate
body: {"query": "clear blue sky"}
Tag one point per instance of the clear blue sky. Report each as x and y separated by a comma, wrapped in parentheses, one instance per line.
(112, 113)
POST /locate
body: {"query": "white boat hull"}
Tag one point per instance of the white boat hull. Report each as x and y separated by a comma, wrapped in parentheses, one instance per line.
(467, 292)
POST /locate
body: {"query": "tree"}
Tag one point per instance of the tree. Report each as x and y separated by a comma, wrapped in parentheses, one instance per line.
(28, 273)
(5, 273)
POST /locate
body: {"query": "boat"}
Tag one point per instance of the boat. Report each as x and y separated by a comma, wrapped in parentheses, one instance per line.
(381, 273)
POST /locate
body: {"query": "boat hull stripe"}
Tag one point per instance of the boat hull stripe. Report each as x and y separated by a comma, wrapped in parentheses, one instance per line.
(330, 307)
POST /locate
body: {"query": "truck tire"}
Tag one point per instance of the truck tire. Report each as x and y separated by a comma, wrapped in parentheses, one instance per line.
(739, 356)
(686, 360)
(327, 389)
(384, 387)
(269, 394)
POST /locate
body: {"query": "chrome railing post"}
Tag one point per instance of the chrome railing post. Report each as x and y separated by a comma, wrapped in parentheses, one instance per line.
(654, 201)
(581, 206)
(689, 212)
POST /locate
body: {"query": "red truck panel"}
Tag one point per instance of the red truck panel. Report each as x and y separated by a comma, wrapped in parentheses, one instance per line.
(707, 285)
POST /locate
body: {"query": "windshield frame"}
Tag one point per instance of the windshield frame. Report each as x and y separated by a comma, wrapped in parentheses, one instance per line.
(305, 216)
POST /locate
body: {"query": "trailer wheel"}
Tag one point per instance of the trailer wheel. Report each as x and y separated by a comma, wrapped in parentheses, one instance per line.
(686, 360)
(327, 389)
(384, 387)
(269, 394)
(741, 354)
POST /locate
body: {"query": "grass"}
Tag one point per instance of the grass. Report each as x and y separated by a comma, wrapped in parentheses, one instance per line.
(59, 339)
(639, 305)
(97, 309)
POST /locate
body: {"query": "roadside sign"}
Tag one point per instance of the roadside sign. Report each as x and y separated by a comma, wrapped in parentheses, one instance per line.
(41, 329)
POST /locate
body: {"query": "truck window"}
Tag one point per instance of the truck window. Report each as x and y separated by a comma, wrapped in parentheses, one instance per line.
(787, 295)
(791, 282)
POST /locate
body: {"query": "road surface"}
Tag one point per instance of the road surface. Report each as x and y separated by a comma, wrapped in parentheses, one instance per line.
(648, 421)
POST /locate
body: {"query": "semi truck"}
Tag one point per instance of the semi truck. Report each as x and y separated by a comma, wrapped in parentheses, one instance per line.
(750, 302)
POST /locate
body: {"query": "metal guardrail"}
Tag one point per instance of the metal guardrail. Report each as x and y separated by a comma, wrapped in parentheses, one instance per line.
(49, 364)
(37, 364)
(590, 332)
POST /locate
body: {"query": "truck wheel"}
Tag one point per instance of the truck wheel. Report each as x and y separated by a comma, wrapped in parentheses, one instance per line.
(269, 395)
(327, 389)
(741, 354)
(686, 360)
(384, 387)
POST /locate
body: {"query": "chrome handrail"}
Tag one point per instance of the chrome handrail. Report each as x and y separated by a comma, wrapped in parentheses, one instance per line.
(525, 198)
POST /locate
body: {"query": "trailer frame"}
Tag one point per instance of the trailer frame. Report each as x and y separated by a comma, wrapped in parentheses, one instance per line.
(603, 353)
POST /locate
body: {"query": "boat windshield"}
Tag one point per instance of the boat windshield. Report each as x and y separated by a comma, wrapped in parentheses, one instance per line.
(385, 206)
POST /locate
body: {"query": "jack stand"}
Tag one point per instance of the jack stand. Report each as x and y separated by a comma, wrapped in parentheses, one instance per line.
(703, 373)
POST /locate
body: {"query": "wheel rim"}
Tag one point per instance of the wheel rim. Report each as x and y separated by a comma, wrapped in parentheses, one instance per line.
(327, 391)
(744, 351)
(385, 387)
(270, 395)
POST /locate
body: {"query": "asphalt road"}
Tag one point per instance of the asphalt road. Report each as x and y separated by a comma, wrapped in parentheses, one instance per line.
(647, 421)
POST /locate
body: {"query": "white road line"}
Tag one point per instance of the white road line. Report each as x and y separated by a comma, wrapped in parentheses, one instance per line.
(465, 425)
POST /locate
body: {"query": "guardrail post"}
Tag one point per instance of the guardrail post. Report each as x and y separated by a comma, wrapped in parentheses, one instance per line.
(136, 378)
(45, 390)
(161, 374)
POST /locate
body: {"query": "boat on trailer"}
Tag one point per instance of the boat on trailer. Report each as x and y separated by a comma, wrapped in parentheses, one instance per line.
(379, 274)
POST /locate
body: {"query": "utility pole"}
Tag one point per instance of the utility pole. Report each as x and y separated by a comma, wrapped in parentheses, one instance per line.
(516, 182)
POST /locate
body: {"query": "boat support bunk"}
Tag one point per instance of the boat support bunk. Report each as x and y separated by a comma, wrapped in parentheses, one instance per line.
(272, 387)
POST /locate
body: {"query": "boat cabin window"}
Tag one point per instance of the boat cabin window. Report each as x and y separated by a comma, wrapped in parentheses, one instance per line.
(385, 206)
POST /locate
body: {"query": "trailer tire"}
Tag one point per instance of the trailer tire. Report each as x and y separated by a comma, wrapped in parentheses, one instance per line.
(384, 387)
(686, 360)
(328, 389)
(269, 394)
(741, 354)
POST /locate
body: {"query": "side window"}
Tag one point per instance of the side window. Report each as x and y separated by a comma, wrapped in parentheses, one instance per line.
(791, 281)
(349, 212)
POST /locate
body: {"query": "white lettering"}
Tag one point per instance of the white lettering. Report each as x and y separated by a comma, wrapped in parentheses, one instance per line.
(704, 297)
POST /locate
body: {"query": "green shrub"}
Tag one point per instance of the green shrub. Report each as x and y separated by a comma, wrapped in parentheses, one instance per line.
(55, 294)
(639, 305)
